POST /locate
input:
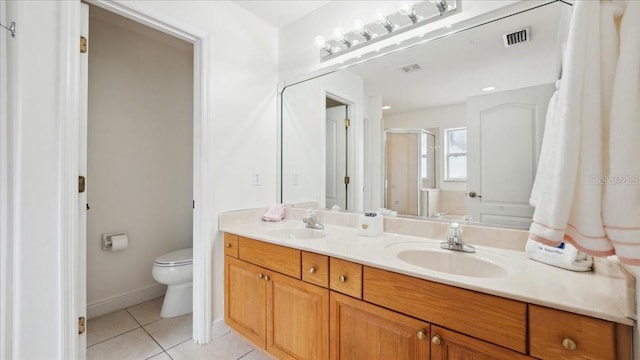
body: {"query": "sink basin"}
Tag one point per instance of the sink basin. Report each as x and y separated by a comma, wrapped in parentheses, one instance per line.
(451, 262)
(297, 234)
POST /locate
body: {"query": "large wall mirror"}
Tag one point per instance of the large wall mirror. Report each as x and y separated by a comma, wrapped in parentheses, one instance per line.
(449, 129)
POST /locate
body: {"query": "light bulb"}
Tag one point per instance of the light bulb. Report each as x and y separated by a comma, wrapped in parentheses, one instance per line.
(320, 42)
(338, 34)
(361, 29)
(406, 9)
(358, 25)
(380, 16)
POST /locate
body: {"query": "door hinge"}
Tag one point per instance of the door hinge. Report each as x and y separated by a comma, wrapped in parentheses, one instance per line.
(81, 184)
(347, 122)
(81, 325)
(83, 44)
(346, 180)
(193, 204)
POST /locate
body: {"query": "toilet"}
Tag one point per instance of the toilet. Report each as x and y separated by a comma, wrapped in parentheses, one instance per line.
(175, 269)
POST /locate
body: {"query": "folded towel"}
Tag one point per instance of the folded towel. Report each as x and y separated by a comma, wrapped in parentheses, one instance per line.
(275, 212)
(564, 256)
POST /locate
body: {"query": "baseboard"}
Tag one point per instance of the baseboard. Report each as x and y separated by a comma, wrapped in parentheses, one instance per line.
(218, 329)
(105, 306)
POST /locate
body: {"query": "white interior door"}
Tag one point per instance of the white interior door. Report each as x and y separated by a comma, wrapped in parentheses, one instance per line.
(82, 168)
(336, 155)
(504, 136)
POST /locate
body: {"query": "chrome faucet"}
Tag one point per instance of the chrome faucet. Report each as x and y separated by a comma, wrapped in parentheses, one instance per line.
(454, 240)
(311, 221)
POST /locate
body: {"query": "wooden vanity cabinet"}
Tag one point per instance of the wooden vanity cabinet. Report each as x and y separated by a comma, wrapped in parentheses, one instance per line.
(284, 315)
(360, 330)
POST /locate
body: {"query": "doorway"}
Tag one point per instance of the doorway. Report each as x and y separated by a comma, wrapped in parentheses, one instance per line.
(337, 154)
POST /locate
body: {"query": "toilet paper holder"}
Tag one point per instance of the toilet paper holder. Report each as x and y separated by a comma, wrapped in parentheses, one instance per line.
(107, 242)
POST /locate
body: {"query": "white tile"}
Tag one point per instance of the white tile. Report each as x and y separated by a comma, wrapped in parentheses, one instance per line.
(227, 347)
(257, 355)
(147, 312)
(170, 332)
(133, 345)
(108, 326)
(161, 356)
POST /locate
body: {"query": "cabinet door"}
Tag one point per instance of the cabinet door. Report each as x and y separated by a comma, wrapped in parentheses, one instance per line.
(450, 345)
(245, 299)
(363, 331)
(297, 319)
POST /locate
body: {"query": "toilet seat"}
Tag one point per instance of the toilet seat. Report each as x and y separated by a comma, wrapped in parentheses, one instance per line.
(175, 258)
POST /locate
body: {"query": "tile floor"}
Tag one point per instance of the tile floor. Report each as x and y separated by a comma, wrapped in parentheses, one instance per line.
(139, 333)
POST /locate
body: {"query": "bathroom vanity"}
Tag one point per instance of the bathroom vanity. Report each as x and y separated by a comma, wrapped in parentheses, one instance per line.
(331, 294)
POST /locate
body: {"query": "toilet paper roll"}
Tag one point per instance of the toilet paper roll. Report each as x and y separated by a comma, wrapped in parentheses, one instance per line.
(119, 242)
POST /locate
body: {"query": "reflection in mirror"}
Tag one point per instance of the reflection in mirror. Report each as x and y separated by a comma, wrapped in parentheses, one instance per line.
(478, 97)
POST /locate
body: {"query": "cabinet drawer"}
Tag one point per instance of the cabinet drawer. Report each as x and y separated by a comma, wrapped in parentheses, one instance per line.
(273, 257)
(315, 269)
(494, 319)
(346, 277)
(231, 245)
(556, 334)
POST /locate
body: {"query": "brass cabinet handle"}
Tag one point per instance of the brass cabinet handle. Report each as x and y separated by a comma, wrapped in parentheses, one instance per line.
(312, 270)
(228, 245)
(436, 340)
(260, 276)
(421, 335)
(342, 278)
(266, 277)
(569, 344)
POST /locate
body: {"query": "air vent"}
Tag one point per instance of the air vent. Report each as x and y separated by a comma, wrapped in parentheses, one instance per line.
(517, 37)
(410, 68)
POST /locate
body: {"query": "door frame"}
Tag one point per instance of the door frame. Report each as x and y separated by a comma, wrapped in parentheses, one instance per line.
(203, 212)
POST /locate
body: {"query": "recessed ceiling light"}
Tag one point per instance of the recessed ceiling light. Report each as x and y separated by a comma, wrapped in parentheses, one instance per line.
(386, 107)
(488, 88)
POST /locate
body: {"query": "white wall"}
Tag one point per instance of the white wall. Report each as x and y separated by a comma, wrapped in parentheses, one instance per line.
(441, 117)
(140, 151)
(243, 72)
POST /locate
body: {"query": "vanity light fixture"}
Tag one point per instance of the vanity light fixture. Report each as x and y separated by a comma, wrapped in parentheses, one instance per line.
(409, 16)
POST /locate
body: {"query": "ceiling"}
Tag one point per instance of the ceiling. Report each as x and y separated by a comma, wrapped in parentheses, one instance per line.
(280, 13)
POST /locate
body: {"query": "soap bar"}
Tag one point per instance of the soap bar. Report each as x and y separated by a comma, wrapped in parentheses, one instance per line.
(370, 224)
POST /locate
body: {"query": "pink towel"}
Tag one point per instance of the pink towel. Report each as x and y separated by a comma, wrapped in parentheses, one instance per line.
(275, 212)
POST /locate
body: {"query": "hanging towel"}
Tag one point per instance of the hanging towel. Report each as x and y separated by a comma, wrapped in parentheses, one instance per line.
(621, 208)
(599, 91)
(567, 206)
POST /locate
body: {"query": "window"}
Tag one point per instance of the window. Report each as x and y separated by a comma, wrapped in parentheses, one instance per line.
(455, 167)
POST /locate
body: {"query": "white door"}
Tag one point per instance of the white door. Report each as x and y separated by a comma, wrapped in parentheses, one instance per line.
(81, 297)
(504, 136)
(336, 156)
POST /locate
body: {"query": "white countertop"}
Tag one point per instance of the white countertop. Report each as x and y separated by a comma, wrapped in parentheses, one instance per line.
(608, 297)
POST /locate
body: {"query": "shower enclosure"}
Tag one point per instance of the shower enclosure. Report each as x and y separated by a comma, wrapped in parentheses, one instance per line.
(410, 170)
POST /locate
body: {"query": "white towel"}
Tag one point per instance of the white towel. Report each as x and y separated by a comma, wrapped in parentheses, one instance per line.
(621, 208)
(567, 205)
(575, 165)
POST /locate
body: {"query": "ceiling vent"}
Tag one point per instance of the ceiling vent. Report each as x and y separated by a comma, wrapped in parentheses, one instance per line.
(410, 68)
(517, 37)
